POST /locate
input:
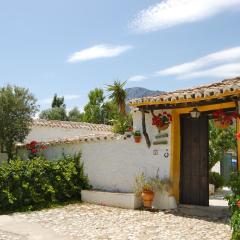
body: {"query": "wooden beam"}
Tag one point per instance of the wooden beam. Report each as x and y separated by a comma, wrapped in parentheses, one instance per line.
(189, 104)
(144, 129)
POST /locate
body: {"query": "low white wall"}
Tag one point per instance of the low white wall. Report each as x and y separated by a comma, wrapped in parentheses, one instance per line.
(122, 200)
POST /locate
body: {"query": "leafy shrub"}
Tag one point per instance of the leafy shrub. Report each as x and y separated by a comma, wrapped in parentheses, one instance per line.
(216, 179)
(121, 124)
(232, 202)
(36, 183)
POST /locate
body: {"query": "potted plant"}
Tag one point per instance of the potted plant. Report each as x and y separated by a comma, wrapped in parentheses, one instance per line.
(144, 188)
(137, 136)
(162, 120)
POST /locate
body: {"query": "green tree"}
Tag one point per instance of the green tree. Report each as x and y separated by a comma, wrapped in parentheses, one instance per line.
(220, 141)
(75, 115)
(58, 102)
(118, 95)
(97, 110)
(17, 108)
(93, 111)
(56, 113)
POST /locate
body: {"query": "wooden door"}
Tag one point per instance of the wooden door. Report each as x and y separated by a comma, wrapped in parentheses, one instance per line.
(194, 161)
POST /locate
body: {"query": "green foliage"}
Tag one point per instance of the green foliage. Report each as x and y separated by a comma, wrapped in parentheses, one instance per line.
(97, 110)
(58, 102)
(121, 123)
(216, 179)
(75, 115)
(137, 133)
(56, 113)
(235, 223)
(37, 183)
(220, 141)
(118, 95)
(232, 202)
(17, 107)
(235, 183)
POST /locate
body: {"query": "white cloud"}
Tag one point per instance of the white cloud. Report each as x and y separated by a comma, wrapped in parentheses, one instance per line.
(98, 51)
(137, 78)
(169, 13)
(207, 64)
(222, 71)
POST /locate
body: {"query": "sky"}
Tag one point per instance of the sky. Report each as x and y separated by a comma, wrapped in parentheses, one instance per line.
(70, 47)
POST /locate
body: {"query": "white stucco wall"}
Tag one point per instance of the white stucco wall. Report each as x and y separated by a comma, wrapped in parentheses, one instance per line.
(113, 164)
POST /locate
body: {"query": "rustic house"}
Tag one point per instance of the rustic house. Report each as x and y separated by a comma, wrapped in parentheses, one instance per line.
(174, 143)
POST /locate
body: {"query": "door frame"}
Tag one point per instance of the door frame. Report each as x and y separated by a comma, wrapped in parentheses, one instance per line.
(182, 116)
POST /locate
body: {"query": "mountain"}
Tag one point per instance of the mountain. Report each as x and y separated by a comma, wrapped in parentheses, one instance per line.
(138, 92)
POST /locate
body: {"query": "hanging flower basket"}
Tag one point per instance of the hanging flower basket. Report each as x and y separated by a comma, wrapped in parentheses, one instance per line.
(163, 127)
(223, 120)
(162, 120)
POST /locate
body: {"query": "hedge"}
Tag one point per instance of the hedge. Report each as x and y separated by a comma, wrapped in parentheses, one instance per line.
(233, 201)
(36, 183)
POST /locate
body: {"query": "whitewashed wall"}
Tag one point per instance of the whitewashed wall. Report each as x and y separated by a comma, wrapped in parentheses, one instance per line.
(113, 164)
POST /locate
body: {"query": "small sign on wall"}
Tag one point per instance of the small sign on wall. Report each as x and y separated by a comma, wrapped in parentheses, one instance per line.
(155, 152)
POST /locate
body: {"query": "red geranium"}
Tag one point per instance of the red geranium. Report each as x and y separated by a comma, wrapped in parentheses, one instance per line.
(35, 148)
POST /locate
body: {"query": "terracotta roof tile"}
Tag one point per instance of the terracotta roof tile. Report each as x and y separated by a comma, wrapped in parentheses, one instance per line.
(72, 125)
(79, 139)
(224, 87)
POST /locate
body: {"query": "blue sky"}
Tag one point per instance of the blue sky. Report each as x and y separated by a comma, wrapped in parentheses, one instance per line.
(70, 47)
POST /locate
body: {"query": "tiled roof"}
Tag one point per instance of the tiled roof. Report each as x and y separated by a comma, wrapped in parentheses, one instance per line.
(215, 90)
(79, 139)
(71, 125)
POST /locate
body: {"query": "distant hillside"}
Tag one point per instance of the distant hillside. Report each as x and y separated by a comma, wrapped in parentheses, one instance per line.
(138, 92)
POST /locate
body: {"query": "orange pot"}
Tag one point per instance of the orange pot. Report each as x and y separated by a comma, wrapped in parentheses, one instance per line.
(147, 197)
(137, 139)
(163, 127)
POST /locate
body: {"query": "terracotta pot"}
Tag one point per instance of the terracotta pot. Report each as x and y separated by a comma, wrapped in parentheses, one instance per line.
(163, 127)
(137, 139)
(218, 124)
(147, 197)
(238, 203)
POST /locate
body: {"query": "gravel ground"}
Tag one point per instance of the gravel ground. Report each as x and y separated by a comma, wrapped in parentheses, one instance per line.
(87, 221)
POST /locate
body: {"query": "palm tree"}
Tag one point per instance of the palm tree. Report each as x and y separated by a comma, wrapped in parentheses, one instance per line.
(118, 95)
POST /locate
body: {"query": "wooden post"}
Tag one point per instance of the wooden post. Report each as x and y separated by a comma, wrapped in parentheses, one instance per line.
(144, 129)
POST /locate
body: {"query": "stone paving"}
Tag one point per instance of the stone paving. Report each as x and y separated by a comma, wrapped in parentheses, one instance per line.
(87, 221)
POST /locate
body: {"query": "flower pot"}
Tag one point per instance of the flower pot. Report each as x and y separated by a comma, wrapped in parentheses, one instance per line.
(219, 124)
(137, 139)
(147, 197)
(163, 127)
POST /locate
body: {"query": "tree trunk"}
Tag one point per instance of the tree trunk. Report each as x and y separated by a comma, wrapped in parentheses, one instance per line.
(122, 108)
